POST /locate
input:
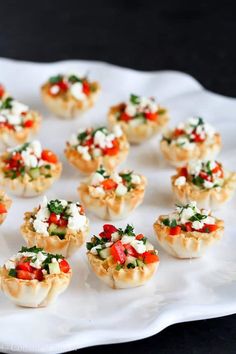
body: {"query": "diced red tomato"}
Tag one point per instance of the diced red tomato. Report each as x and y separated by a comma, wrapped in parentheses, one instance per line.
(53, 219)
(16, 156)
(63, 85)
(217, 169)
(23, 264)
(7, 125)
(2, 91)
(188, 226)
(151, 116)
(88, 142)
(178, 132)
(118, 253)
(24, 275)
(109, 184)
(139, 237)
(62, 222)
(131, 250)
(86, 88)
(176, 230)
(38, 274)
(205, 176)
(64, 266)
(3, 209)
(209, 228)
(197, 138)
(150, 257)
(48, 155)
(108, 230)
(183, 172)
(113, 150)
(28, 123)
(125, 117)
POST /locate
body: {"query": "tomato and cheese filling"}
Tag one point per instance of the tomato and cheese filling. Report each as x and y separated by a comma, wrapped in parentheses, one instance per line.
(127, 249)
(15, 115)
(186, 135)
(189, 218)
(139, 110)
(29, 159)
(78, 87)
(101, 182)
(55, 217)
(34, 263)
(92, 143)
(203, 174)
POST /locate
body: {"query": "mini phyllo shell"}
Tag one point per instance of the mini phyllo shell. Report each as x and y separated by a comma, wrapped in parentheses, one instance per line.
(121, 258)
(34, 278)
(5, 204)
(112, 196)
(57, 226)
(67, 96)
(140, 118)
(18, 123)
(192, 140)
(90, 148)
(206, 182)
(188, 231)
(28, 170)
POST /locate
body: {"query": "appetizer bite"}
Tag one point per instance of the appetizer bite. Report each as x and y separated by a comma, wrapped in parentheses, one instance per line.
(27, 170)
(68, 96)
(5, 204)
(34, 278)
(140, 118)
(121, 258)
(112, 196)
(18, 123)
(206, 182)
(188, 231)
(191, 140)
(57, 226)
(90, 148)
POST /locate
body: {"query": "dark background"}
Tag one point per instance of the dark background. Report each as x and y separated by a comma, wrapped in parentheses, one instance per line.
(195, 37)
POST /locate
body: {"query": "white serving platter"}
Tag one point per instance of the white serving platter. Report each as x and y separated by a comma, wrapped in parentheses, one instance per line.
(89, 312)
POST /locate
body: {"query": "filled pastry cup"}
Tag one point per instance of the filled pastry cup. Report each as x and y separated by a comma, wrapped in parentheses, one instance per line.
(34, 278)
(188, 232)
(5, 204)
(18, 123)
(206, 182)
(28, 170)
(140, 118)
(90, 148)
(57, 226)
(112, 196)
(122, 259)
(68, 96)
(192, 140)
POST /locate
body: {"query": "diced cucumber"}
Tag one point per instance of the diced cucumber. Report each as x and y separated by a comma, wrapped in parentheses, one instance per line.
(34, 172)
(130, 260)
(140, 263)
(54, 268)
(104, 253)
(55, 230)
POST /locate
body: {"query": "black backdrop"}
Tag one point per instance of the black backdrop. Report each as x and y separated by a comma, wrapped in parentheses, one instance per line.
(196, 37)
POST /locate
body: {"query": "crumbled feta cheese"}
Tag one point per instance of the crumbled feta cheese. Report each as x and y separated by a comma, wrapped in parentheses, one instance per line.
(130, 109)
(97, 152)
(136, 179)
(10, 264)
(14, 119)
(208, 184)
(121, 190)
(54, 89)
(83, 150)
(180, 181)
(127, 239)
(77, 91)
(103, 140)
(115, 236)
(96, 178)
(139, 246)
(41, 227)
(186, 214)
(76, 221)
(30, 160)
(95, 248)
(197, 225)
(194, 167)
(18, 107)
(96, 192)
(36, 147)
(116, 177)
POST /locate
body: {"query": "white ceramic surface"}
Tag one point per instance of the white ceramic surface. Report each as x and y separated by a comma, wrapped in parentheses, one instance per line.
(90, 313)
